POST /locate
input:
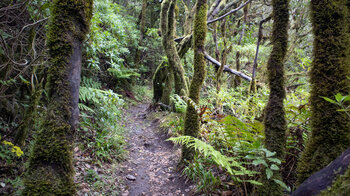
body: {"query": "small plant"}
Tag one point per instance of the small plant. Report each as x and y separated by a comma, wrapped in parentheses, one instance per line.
(91, 176)
(341, 101)
(180, 104)
(9, 152)
(99, 123)
(199, 171)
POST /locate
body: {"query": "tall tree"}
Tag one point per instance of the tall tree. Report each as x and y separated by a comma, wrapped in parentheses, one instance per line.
(138, 52)
(50, 170)
(274, 118)
(199, 33)
(329, 69)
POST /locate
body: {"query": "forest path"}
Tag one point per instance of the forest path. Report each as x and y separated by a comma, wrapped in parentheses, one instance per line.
(150, 169)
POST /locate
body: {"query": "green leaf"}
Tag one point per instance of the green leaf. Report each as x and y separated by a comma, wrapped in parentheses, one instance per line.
(282, 184)
(253, 182)
(274, 167)
(259, 162)
(346, 98)
(268, 153)
(250, 157)
(338, 97)
(269, 173)
(329, 100)
(275, 160)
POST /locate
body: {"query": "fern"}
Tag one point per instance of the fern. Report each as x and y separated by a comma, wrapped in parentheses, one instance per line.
(85, 108)
(89, 82)
(232, 166)
(122, 73)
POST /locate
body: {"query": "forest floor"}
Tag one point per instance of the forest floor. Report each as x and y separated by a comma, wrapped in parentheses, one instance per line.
(151, 167)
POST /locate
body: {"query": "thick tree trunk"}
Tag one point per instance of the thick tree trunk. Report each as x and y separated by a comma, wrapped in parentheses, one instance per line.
(329, 69)
(192, 119)
(274, 118)
(50, 170)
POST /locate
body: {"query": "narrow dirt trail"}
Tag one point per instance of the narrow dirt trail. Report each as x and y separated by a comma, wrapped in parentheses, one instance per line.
(150, 168)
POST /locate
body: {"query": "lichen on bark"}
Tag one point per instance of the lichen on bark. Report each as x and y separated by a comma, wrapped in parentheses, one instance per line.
(50, 169)
(192, 124)
(329, 69)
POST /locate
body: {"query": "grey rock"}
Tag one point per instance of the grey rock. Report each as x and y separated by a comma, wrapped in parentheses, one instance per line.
(130, 177)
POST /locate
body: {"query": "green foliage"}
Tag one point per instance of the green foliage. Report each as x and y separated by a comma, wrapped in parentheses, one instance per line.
(341, 101)
(232, 166)
(180, 104)
(99, 125)
(91, 176)
(112, 36)
(198, 172)
(9, 152)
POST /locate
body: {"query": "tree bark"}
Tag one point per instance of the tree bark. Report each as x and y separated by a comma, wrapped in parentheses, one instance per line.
(192, 123)
(50, 170)
(329, 69)
(274, 118)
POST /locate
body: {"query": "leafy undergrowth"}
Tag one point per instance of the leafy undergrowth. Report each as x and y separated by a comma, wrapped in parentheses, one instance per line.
(101, 142)
(230, 153)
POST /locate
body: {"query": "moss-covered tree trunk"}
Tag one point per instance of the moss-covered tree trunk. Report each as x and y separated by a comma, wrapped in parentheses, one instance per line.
(274, 118)
(329, 69)
(138, 53)
(192, 123)
(50, 170)
(181, 87)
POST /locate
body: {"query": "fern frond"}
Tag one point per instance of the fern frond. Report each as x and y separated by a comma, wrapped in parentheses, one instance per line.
(232, 166)
(85, 108)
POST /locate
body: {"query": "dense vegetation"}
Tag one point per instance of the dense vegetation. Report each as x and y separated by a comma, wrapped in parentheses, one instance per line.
(256, 92)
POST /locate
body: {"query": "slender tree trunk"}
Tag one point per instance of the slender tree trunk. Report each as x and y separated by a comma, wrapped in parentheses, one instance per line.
(142, 32)
(181, 87)
(330, 128)
(192, 119)
(238, 53)
(50, 170)
(274, 118)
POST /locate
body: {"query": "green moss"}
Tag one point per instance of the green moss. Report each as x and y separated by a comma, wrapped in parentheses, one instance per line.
(171, 51)
(192, 124)
(50, 170)
(340, 187)
(330, 128)
(274, 118)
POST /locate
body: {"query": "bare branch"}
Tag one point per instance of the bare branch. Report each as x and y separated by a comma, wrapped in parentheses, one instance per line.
(226, 68)
(229, 13)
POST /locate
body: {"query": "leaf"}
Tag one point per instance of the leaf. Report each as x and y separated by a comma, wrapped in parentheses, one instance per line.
(2, 184)
(260, 161)
(346, 98)
(275, 160)
(253, 182)
(274, 167)
(282, 184)
(338, 97)
(329, 100)
(268, 153)
(250, 157)
(269, 173)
